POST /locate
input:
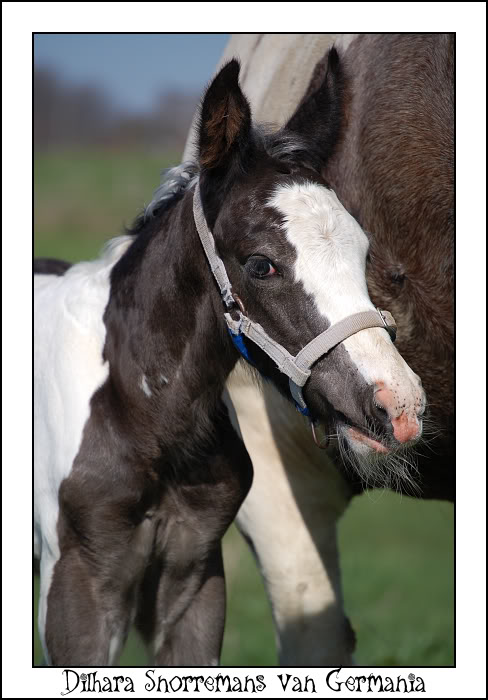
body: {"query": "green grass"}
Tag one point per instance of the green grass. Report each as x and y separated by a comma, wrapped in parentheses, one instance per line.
(397, 564)
(82, 198)
(396, 553)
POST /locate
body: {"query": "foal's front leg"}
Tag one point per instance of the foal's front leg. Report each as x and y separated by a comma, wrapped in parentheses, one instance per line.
(182, 619)
(182, 599)
(93, 591)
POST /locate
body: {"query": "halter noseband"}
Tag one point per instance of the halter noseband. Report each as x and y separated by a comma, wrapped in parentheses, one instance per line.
(297, 368)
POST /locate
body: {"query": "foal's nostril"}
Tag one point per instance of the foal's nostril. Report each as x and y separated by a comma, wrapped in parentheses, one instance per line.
(379, 413)
(390, 413)
(380, 409)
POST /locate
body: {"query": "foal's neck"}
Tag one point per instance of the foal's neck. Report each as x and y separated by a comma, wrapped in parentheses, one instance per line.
(167, 345)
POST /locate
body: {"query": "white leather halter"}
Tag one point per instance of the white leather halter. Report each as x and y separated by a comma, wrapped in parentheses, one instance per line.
(297, 368)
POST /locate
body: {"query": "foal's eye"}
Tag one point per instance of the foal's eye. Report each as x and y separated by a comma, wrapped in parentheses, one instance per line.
(261, 267)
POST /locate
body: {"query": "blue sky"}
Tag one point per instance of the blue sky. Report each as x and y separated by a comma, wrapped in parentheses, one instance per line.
(132, 68)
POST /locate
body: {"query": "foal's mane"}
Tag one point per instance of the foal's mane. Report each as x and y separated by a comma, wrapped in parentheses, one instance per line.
(174, 183)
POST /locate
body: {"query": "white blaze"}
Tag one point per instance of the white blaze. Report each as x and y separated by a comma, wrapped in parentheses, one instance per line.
(331, 251)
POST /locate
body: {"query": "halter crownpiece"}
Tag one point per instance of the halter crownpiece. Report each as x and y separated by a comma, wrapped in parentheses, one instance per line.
(297, 368)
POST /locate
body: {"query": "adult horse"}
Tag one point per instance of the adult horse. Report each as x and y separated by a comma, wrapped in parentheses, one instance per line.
(138, 471)
(393, 169)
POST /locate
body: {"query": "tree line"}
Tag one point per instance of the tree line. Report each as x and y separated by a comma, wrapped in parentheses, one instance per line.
(83, 116)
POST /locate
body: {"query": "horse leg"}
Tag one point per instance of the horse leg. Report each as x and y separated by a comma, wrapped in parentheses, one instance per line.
(44, 566)
(289, 518)
(86, 622)
(182, 599)
(89, 599)
(182, 621)
(300, 569)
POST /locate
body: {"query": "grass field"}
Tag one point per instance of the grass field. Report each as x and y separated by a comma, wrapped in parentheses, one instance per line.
(396, 553)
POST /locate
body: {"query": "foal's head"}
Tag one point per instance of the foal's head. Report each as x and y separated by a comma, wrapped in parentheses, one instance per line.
(296, 259)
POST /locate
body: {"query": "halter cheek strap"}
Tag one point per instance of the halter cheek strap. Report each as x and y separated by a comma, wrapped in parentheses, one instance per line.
(297, 368)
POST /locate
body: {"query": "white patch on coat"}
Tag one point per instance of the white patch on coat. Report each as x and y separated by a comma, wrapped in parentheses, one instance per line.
(343, 41)
(331, 251)
(69, 336)
(145, 386)
(159, 640)
(114, 648)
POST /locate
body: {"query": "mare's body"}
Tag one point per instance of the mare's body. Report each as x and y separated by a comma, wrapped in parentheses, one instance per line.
(393, 168)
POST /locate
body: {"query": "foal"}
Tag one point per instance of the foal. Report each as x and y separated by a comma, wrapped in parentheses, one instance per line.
(138, 470)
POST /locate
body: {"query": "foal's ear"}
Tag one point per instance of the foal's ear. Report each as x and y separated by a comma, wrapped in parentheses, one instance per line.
(319, 117)
(225, 120)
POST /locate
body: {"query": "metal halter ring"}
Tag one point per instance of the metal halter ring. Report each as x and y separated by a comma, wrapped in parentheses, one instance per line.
(392, 331)
(239, 303)
(322, 444)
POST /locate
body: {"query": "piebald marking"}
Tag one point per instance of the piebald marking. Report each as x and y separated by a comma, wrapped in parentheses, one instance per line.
(69, 336)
